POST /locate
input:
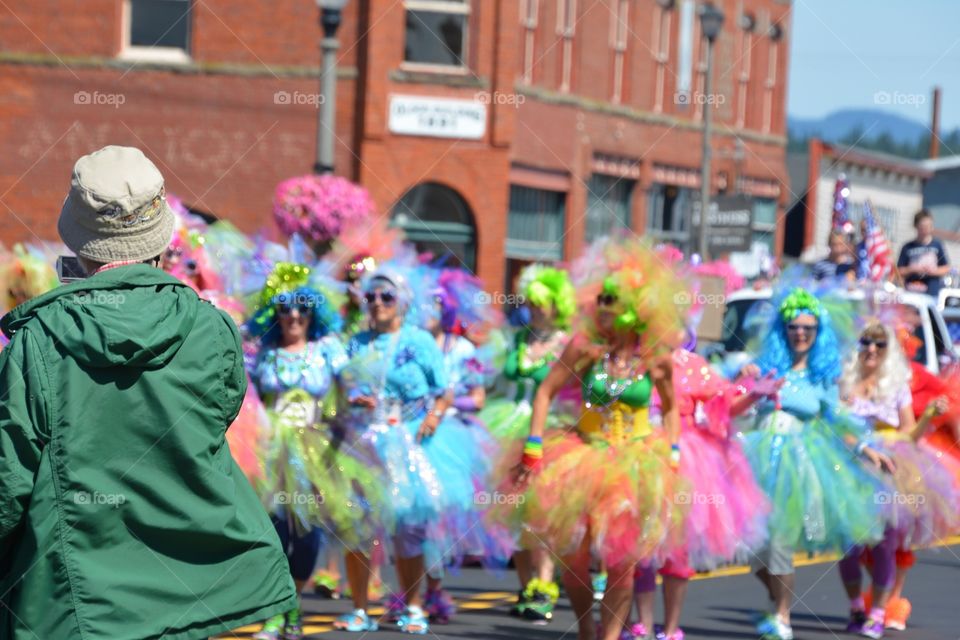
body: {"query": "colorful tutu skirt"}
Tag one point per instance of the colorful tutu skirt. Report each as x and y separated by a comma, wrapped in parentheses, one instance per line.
(506, 420)
(822, 498)
(245, 433)
(924, 499)
(322, 476)
(941, 444)
(624, 496)
(436, 485)
(728, 510)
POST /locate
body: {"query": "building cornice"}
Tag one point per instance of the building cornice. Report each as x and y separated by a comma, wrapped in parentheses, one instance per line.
(193, 67)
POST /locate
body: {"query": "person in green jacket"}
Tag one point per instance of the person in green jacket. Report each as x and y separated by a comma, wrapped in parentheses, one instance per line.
(122, 512)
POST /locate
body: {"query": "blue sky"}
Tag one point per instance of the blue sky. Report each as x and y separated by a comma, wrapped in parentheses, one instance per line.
(885, 54)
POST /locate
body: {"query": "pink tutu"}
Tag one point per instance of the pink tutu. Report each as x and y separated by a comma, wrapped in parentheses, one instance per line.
(243, 436)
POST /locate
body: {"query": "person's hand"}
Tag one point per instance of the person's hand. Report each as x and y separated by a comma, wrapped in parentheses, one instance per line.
(881, 461)
(428, 427)
(768, 386)
(367, 402)
(522, 473)
(750, 370)
(938, 407)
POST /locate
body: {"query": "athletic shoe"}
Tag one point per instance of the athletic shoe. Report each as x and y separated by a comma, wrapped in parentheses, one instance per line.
(521, 604)
(873, 628)
(659, 634)
(439, 606)
(413, 621)
(772, 628)
(599, 585)
(636, 632)
(293, 629)
(542, 598)
(857, 620)
(272, 628)
(355, 622)
(898, 612)
(326, 585)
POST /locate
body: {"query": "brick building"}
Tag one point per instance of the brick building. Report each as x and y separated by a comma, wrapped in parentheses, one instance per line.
(504, 131)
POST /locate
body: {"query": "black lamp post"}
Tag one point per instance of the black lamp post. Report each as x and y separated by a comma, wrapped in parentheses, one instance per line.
(711, 22)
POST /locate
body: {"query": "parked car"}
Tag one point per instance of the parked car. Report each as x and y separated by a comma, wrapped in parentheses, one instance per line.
(949, 305)
(936, 351)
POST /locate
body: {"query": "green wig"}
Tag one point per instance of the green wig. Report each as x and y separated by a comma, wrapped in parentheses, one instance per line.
(547, 286)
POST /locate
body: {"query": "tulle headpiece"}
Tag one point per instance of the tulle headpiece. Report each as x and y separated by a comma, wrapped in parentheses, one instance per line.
(296, 285)
(799, 302)
(545, 286)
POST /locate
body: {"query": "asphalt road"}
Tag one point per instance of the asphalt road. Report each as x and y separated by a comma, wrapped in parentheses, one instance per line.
(718, 606)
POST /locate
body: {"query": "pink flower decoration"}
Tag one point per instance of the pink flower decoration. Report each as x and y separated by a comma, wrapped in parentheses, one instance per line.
(319, 208)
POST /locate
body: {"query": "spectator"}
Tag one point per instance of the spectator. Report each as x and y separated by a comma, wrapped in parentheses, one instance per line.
(923, 262)
(862, 257)
(841, 262)
(122, 512)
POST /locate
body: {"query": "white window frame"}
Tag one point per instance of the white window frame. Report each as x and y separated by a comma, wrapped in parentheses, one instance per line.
(566, 29)
(529, 19)
(139, 53)
(619, 32)
(441, 6)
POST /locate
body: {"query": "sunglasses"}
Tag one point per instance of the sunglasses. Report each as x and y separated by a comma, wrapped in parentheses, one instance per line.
(866, 342)
(288, 309)
(797, 328)
(606, 300)
(386, 298)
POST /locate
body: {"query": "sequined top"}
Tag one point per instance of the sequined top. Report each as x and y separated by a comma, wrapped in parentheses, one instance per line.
(884, 412)
(406, 366)
(313, 369)
(527, 375)
(463, 370)
(616, 408)
(802, 398)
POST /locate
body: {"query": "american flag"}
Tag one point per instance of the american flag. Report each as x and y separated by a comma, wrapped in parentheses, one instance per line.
(841, 221)
(878, 250)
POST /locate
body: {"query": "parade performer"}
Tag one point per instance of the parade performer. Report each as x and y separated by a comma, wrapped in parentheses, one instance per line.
(728, 510)
(459, 306)
(313, 478)
(396, 386)
(548, 304)
(609, 489)
(822, 497)
(924, 497)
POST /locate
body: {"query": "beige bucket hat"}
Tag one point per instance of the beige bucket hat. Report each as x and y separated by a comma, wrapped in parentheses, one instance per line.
(116, 209)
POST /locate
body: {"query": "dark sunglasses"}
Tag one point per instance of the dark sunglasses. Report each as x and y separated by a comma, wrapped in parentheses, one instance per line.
(866, 342)
(606, 300)
(386, 298)
(288, 309)
(797, 328)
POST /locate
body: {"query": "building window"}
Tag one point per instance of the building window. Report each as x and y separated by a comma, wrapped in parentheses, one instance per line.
(608, 206)
(669, 213)
(437, 33)
(619, 29)
(535, 224)
(529, 14)
(157, 29)
(438, 221)
(661, 50)
(566, 28)
(776, 35)
(764, 222)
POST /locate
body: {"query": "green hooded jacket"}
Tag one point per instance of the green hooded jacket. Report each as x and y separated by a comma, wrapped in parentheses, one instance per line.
(122, 512)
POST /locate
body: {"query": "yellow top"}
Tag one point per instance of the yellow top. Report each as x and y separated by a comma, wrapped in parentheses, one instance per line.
(615, 423)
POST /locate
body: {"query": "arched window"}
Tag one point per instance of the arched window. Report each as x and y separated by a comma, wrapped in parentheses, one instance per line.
(438, 220)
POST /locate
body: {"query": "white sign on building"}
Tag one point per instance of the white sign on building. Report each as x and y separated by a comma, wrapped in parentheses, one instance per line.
(437, 117)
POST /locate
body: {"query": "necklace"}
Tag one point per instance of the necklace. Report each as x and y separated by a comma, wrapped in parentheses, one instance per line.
(616, 385)
(524, 366)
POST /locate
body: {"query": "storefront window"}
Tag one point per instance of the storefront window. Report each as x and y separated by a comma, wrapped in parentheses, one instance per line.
(608, 206)
(668, 218)
(438, 220)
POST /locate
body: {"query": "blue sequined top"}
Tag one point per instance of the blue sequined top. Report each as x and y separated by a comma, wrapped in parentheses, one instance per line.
(463, 370)
(803, 398)
(313, 370)
(406, 366)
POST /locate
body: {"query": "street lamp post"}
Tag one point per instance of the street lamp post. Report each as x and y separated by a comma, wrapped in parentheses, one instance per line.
(711, 21)
(330, 14)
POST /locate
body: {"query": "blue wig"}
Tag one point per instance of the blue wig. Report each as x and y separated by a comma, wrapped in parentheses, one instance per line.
(324, 319)
(823, 361)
